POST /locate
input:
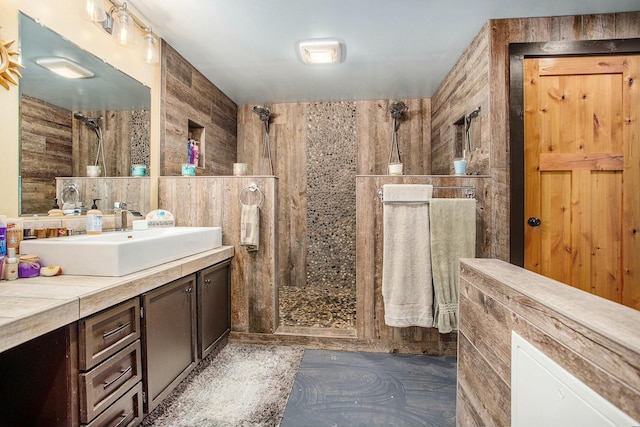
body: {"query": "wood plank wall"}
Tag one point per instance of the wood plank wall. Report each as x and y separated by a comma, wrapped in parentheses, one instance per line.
(448, 100)
(46, 146)
(188, 95)
(595, 340)
(215, 202)
(370, 306)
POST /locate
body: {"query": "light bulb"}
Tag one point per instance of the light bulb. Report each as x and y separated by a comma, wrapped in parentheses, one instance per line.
(151, 48)
(123, 31)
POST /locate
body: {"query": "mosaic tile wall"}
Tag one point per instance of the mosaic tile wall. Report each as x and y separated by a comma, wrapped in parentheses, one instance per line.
(140, 138)
(331, 194)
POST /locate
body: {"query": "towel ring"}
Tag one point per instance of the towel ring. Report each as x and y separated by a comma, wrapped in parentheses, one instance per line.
(253, 187)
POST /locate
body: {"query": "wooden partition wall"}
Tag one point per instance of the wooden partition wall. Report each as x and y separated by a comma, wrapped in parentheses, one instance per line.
(215, 202)
(595, 340)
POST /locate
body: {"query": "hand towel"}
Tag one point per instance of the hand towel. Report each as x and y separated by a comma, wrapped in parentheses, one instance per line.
(250, 227)
(453, 236)
(407, 289)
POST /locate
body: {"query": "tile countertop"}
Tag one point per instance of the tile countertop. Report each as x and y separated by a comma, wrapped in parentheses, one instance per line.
(33, 307)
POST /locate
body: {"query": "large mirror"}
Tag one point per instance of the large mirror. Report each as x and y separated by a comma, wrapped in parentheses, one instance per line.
(63, 120)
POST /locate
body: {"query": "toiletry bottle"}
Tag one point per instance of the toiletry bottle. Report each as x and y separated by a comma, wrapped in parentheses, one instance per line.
(94, 219)
(12, 265)
(3, 235)
(195, 152)
(14, 233)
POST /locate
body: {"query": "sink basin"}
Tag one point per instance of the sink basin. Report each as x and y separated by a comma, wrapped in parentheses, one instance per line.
(120, 253)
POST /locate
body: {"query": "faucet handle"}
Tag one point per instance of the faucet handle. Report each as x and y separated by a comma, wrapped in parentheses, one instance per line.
(120, 205)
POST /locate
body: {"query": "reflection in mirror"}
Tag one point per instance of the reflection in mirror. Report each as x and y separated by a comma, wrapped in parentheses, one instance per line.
(52, 142)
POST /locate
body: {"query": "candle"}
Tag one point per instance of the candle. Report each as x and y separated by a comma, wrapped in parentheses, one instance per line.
(240, 169)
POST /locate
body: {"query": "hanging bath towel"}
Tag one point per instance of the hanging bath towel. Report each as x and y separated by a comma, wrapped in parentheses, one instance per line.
(453, 236)
(407, 290)
(250, 227)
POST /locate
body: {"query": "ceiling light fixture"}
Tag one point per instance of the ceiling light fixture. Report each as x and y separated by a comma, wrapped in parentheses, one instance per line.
(65, 67)
(320, 51)
(120, 23)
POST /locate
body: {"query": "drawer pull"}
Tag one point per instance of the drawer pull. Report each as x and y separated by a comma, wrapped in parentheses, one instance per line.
(125, 417)
(115, 331)
(124, 372)
(188, 290)
(207, 281)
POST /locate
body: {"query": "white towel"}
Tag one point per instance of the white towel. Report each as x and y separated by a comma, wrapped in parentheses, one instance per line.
(453, 236)
(250, 227)
(407, 289)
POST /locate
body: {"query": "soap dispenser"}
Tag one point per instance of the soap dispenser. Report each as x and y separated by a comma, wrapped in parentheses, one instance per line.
(55, 209)
(94, 219)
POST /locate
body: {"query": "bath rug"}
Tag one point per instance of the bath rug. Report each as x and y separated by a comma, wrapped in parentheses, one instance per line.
(241, 386)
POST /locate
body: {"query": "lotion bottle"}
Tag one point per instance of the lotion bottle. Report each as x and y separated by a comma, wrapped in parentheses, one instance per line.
(12, 265)
(94, 219)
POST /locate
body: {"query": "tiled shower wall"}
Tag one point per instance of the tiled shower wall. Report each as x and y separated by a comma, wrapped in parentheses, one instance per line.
(331, 194)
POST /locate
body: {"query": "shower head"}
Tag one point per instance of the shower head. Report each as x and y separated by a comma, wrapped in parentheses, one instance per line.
(397, 108)
(473, 114)
(263, 112)
(91, 123)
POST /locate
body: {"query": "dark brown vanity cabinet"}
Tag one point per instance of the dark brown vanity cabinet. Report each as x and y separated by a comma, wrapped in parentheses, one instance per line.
(169, 334)
(214, 315)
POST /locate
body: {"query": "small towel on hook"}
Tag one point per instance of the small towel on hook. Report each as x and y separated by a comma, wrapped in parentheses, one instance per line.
(250, 227)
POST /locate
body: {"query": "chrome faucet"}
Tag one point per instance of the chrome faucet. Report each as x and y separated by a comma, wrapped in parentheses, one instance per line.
(124, 210)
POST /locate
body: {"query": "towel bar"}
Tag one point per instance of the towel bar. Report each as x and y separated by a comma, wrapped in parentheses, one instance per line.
(470, 193)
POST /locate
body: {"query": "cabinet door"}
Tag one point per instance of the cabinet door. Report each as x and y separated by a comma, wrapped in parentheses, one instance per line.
(214, 317)
(169, 331)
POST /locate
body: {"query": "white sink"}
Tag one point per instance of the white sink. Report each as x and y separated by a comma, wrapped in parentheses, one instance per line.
(120, 253)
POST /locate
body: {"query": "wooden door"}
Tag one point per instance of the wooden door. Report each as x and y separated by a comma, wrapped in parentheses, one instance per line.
(582, 173)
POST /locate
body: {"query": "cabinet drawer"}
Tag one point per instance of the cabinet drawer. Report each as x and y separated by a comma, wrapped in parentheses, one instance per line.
(107, 332)
(125, 412)
(105, 383)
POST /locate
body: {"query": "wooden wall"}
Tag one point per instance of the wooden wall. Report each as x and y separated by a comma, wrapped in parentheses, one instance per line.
(46, 145)
(188, 95)
(215, 202)
(595, 340)
(465, 89)
(369, 302)
(494, 95)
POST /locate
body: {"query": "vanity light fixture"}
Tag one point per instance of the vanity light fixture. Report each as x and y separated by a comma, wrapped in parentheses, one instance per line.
(320, 51)
(151, 48)
(120, 23)
(122, 30)
(65, 67)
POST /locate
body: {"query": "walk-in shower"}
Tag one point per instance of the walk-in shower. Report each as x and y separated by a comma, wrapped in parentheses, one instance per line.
(94, 125)
(266, 165)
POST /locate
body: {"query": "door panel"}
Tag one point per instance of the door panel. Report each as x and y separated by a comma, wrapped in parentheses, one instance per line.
(581, 153)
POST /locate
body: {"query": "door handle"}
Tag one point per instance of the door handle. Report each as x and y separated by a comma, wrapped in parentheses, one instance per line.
(534, 222)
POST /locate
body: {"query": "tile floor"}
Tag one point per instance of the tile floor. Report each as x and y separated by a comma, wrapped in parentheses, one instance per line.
(337, 389)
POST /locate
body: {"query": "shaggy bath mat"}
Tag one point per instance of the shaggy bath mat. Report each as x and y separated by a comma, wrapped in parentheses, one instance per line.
(242, 385)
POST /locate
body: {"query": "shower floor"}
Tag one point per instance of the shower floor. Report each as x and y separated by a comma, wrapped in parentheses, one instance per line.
(317, 307)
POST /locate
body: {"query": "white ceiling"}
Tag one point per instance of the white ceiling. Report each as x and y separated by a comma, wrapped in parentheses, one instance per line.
(395, 49)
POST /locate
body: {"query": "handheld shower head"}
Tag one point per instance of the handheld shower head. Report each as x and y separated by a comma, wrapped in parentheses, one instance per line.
(262, 112)
(91, 123)
(473, 114)
(397, 108)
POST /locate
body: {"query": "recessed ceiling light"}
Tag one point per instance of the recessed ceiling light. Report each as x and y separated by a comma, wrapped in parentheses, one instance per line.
(320, 51)
(65, 67)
